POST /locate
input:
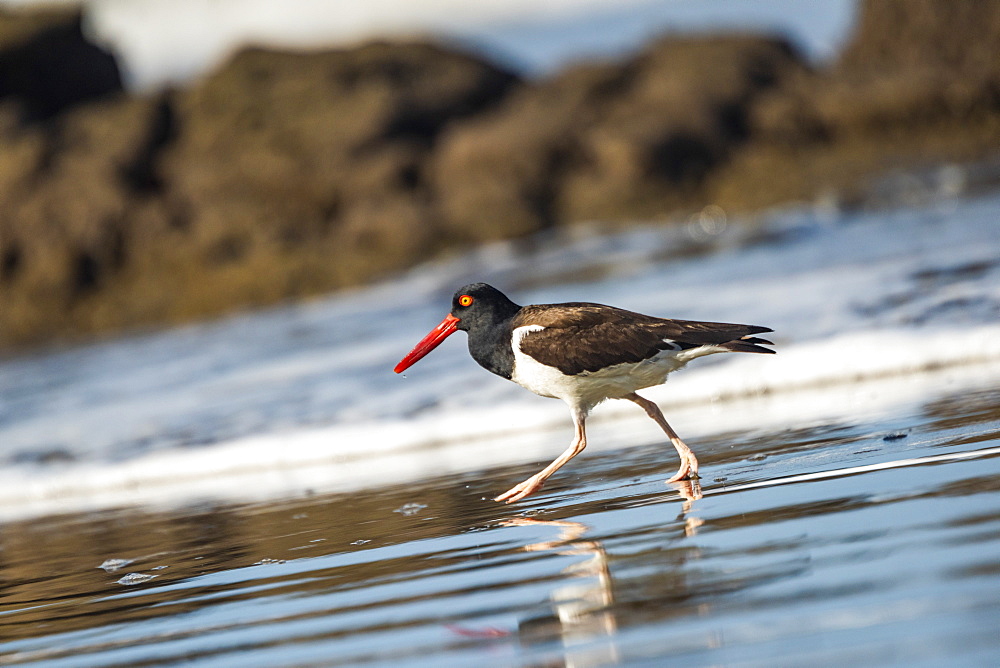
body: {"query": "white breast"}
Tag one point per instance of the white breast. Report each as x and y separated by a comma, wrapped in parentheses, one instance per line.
(533, 375)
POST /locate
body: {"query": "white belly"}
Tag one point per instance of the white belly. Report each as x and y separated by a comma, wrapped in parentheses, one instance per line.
(586, 390)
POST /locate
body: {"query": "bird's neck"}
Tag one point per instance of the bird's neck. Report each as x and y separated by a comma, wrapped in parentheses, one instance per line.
(490, 346)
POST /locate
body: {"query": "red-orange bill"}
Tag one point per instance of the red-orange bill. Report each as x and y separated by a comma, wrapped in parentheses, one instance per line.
(433, 339)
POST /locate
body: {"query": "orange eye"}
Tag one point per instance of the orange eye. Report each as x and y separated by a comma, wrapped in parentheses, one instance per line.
(465, 300)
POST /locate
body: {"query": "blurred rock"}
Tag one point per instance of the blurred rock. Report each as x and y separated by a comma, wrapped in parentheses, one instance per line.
(70, 218)
(918, 84)
(910, 63)
(613, 142)
(287, 150)
(286, 174)
(961, 36)
(282, 175)
(310, 167)
(47, 65)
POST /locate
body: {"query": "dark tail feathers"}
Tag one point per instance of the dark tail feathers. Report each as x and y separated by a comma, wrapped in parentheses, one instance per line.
(748, 344)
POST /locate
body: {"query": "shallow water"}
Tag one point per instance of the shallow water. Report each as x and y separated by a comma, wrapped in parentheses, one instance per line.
(876, 542)
(265, 405)
(264, 491)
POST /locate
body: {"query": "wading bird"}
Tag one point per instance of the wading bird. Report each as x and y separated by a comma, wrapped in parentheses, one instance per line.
(583, 354)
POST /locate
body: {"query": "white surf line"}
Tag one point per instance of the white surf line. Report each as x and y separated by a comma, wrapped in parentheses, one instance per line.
(839, 473)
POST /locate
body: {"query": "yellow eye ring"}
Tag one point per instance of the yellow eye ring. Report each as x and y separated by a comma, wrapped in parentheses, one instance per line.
(465, 300)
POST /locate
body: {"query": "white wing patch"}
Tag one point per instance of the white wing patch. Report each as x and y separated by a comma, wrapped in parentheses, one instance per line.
(673, 344)
(521, 332)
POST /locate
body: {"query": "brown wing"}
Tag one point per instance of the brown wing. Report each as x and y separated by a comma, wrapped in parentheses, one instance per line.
(582, 337)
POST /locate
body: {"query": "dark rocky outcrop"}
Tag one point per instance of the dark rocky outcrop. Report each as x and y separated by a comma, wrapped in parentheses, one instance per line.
(322, 153)
(961, 36)
(47, 66)
(280, 175)
(284, 174)
(627, 141)
(918, 83)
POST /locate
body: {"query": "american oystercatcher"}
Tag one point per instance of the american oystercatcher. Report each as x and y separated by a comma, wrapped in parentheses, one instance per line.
(583, 354)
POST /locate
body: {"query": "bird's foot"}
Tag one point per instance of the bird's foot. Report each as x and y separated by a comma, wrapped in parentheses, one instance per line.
(688, 469)
(682, 472)
(521, 490)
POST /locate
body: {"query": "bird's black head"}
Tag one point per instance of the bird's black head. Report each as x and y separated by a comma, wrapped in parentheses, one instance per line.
(477, 309)
(479, 305)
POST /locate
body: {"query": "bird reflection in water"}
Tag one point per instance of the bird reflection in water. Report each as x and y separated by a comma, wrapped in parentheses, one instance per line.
(581, 613)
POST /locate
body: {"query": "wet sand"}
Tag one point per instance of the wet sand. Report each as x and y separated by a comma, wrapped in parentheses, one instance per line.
(873, 541)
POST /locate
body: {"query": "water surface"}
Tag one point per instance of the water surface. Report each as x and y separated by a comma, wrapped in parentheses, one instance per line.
(875, 542)
(264, 491)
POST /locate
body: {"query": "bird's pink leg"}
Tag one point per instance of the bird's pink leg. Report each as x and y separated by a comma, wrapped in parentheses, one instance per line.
(689, 463)
(535, 482)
